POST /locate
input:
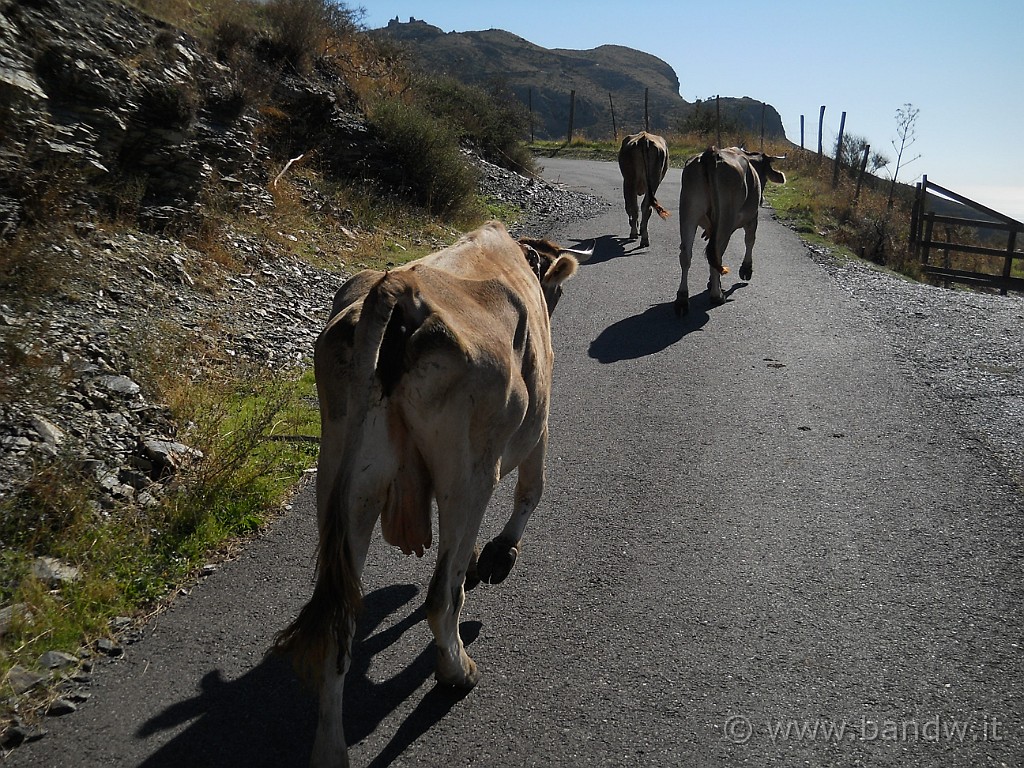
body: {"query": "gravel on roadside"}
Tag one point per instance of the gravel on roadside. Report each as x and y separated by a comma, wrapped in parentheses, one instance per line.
(964, 347)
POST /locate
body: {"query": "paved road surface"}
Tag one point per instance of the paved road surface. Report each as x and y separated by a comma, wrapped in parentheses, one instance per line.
(759, 545)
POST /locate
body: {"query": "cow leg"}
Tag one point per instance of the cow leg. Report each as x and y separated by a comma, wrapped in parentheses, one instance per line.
(717, 244)
(715, 288)
(686, 237)
(330, 749)
(472, 575)
(461, 504)
(749, 233)
(632, 209)
(501, 553)
(647, 207)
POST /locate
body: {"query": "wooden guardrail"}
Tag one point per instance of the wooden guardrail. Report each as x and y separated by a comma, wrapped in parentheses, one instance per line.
(924, 245)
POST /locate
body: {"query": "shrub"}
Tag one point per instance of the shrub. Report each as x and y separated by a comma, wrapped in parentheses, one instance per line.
(303, 30)
(494, 121)
(423, 160)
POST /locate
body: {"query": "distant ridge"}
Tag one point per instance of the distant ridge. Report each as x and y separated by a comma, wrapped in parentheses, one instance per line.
(546, 76)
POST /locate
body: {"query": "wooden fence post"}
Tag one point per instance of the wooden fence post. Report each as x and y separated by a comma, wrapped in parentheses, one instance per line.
(718, 121)
(839, 152)
(532, 139)
(821, 123)
(572, 114)
(1011, 249)
(801, 131)
(915, 220)
(863, 167)
(615, 131)
(762, 125)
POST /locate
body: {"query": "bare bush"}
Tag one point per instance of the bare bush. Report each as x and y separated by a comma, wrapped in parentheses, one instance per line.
(424, 157)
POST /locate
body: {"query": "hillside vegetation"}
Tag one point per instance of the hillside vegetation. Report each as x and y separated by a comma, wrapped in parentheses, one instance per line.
(176, 175)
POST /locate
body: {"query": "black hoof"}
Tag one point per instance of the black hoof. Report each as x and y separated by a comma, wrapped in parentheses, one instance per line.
(496, 561)
(717, 301)
(746, 272)
(681, 306)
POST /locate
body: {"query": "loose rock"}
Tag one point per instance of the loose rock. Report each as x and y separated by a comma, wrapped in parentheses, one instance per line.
(53, 572)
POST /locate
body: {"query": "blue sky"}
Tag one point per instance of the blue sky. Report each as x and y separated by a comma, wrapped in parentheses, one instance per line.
(960, 63)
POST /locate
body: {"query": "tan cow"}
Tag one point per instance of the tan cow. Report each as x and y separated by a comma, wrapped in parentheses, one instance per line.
(643, 160)
(721, 191)
(434, 380)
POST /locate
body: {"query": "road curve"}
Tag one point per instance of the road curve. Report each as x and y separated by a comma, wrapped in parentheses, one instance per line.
(761, 543)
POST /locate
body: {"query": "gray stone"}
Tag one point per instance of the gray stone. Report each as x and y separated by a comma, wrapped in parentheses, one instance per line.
(9, 613)
(57, 660)
(109, 648)
(23, 680)
(19, 734)
(59, 707)
(54, 572)
(46, 429)
(118, 385)
(167, 456)
(20, 81)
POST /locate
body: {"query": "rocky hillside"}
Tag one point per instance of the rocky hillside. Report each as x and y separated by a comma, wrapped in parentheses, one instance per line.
(123, 138)
(121, 113)
(546, 77)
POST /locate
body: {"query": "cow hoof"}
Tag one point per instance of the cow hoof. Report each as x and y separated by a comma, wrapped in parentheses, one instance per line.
(462, 675)
(496, 561)
(746, 271)
(717, 301)
(644, 242)
(682, 307)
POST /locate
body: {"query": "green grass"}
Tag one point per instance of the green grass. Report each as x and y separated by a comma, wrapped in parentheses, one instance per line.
(257, 438)
(797, 201)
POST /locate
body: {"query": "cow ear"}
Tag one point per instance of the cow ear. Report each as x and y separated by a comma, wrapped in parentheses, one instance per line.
(562, 269)
(777, 176)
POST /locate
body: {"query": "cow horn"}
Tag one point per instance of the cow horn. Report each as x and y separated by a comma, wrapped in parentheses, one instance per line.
(583, 254)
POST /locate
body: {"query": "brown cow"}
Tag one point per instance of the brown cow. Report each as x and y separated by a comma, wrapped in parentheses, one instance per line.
(643, 160)
(722, 190)
(434, 381)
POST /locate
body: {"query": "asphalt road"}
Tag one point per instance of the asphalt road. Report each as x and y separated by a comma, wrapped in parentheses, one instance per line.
(761, 543)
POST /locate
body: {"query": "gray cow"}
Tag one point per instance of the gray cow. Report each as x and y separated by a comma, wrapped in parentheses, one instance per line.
(721, 192)
(643, 160)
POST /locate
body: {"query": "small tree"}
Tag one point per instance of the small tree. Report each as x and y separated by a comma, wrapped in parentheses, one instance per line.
(906, 117)
(853, 153)
(704, 120)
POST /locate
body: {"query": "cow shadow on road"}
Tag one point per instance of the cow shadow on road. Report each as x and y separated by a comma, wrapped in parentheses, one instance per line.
(652, 331)
(369, 703)
(268, 717)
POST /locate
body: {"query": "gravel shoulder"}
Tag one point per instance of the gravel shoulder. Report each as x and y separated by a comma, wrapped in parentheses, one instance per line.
(965, 347)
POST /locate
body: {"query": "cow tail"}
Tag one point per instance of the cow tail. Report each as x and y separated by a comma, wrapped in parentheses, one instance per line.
(336, 599)
(709, 163)
(337, 596)
(647, 177)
